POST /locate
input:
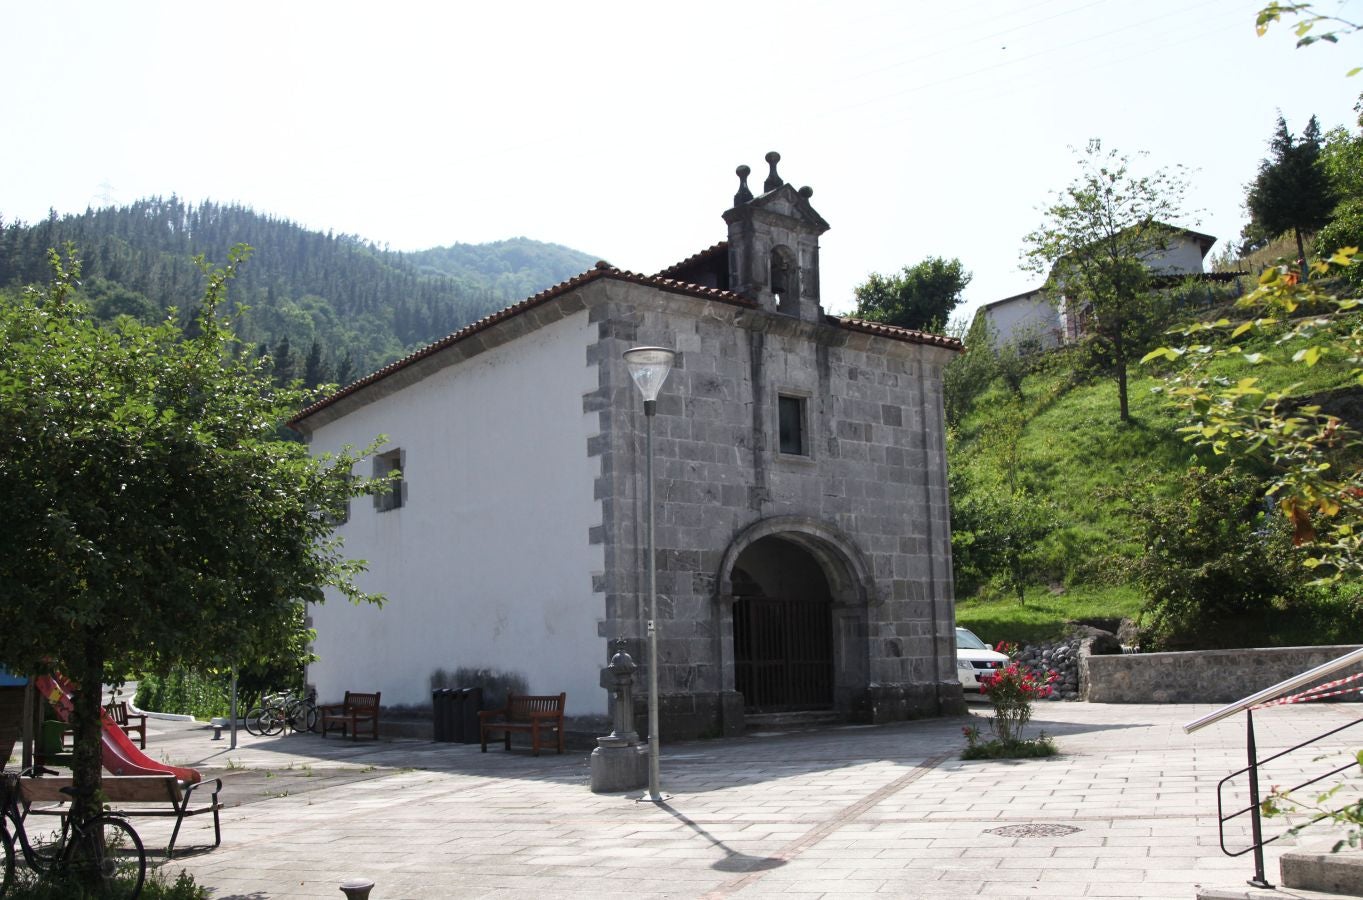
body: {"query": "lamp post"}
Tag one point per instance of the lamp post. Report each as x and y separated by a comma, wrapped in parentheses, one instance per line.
(648, 366)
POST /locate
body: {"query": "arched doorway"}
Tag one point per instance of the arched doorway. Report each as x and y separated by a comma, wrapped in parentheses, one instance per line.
(783, 629)
(793, 597)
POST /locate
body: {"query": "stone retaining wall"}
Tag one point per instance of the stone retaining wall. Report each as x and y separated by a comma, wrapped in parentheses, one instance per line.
(1199, 676)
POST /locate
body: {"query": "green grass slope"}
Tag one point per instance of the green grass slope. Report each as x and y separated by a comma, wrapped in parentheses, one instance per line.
(1062, 441)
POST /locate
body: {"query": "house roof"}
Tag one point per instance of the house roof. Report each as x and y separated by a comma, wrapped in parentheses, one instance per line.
(1023, 296)
(603, 270)
(705, 258)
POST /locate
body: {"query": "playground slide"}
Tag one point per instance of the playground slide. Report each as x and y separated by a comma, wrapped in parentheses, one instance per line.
(120, 755)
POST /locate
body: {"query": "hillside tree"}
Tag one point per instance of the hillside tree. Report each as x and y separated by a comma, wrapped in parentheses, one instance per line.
(1099, 236)
(1292, 192)
(920, 296)
(155, 517)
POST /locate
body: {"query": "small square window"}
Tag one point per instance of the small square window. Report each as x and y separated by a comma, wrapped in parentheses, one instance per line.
(384, 464)
(791, 416)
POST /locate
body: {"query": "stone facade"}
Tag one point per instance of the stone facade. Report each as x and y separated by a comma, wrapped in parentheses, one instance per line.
(869, 501)
(798, 456)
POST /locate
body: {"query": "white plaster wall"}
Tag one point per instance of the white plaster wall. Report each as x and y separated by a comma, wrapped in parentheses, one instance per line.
(1183, 256)
(1030, 316)
(488, 563)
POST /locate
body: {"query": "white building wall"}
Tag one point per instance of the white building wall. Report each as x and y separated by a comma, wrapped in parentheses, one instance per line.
(488, 562)
(1182, 256)
(1029, 317)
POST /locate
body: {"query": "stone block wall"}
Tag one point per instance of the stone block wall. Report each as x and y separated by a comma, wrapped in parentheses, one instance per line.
(871, 492)
(1197, 676)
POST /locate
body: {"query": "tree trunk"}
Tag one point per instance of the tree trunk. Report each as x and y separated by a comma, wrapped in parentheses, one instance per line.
(1119, 362)
(87, 730)
(1301, 254)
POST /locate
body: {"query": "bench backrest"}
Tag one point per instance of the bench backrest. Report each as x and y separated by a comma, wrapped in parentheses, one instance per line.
(520, 706)
(361, 702)
(118, 712)
(116, 788)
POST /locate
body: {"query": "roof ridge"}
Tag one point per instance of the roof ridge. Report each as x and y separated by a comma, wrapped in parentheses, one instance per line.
(602, 269)
(897, 332)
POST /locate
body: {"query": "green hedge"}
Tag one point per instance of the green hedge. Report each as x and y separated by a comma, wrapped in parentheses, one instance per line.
(186, 693)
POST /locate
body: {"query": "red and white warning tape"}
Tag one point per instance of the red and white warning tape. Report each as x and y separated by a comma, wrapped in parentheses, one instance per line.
(1320, 692)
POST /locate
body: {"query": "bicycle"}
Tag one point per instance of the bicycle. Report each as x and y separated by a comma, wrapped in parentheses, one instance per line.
(101, 854)
(280, 711)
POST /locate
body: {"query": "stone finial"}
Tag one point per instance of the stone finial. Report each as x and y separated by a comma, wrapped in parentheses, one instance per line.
(743, 195)
(773, 180)
(622, 663)
(806, 192)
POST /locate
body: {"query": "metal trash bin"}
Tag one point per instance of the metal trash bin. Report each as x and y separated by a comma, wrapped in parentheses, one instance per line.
(470, 730)
(440, 714)
(456, 708)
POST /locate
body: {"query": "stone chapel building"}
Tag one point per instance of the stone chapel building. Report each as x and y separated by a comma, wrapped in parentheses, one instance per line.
(802, 529)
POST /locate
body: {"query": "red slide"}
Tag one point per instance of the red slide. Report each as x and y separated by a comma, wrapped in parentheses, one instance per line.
(121, 756)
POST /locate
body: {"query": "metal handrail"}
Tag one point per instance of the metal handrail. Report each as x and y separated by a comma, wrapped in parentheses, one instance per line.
(1277, 690)
(1247, 706)
(1221, 785)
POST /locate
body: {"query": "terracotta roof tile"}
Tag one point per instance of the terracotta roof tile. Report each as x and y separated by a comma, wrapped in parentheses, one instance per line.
(695, 259)
(896, 333)
(605, 270)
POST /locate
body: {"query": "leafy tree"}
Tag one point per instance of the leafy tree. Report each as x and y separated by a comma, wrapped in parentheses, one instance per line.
(998, 524)
(1292, 191)
(919, 297)
(1307, 20)
(1342, 158)
(1099, 235)
(1215, 563)
(154, 518)
(1312, 457)
(997, 532)
(969, 375)
(314, 368)
(285, 365)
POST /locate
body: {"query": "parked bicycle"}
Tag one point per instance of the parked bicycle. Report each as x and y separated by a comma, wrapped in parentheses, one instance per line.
(102, 853)
(279, 711)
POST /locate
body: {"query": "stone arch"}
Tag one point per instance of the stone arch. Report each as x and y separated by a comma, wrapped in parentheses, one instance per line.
(851, 591)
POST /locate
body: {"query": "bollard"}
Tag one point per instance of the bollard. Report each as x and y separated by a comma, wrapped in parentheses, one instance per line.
(620, 761)
(218, 725)
(357, 888)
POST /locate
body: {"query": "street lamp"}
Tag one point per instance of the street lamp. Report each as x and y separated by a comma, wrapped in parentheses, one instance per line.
(648, 366)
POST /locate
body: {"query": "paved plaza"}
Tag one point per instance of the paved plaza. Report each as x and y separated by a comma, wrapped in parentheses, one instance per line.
(1128, 809)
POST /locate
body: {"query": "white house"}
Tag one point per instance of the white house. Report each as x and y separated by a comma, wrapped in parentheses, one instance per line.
(1033, 319)
(803, 539)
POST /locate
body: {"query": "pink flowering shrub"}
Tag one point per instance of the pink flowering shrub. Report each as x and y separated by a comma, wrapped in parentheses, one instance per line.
(1011, 692)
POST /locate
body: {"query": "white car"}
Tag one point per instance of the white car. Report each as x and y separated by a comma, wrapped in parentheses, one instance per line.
(976, 662)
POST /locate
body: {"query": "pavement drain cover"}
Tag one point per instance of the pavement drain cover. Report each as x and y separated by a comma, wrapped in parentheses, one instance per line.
(1034, 829)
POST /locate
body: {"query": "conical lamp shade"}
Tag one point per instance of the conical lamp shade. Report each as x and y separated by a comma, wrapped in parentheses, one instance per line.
(648, 366)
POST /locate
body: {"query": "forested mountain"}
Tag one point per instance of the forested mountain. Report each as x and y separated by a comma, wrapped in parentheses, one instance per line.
(331, 307)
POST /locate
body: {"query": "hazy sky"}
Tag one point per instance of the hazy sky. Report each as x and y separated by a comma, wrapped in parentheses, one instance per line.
(924, 128)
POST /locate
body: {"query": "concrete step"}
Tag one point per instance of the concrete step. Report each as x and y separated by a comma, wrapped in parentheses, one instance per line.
(1304, 876)
(1341, 873)
(792, 721)
(1253, 893)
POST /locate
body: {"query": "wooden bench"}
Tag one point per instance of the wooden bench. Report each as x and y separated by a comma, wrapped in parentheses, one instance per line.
(131, 724)
(524, 712)
(356, 710)
(120, 790)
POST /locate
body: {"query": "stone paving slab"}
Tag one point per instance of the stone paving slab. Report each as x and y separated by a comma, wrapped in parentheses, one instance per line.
(845, 812)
